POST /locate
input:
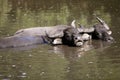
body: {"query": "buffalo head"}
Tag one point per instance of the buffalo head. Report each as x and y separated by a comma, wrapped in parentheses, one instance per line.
(99, 31)
(72, 37)
(102, 31)
(69, 36)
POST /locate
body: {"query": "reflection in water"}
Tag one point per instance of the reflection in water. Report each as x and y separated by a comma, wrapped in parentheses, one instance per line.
(95, 61)
(85, 63)
(72, 52)
(42, 63)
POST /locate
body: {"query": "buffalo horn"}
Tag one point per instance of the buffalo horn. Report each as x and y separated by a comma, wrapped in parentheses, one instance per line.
(73, 24)
(103, 23)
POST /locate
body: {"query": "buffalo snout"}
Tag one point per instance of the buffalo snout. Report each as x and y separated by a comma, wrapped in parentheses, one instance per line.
(72, 37)
(78, 41)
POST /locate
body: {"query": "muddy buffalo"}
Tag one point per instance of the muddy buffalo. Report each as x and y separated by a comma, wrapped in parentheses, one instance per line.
(99, 31)
(41, 35)
(102, 31)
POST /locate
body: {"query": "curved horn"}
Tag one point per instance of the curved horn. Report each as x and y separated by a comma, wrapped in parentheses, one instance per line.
(103, 23)
(73, 24)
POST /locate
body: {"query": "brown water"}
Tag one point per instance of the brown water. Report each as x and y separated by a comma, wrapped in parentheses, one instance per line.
(97, 61)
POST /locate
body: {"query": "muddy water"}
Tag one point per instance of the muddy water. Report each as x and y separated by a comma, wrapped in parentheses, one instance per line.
(96, 61)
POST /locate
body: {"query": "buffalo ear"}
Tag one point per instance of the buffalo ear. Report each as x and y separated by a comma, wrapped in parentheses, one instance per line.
(73, 24)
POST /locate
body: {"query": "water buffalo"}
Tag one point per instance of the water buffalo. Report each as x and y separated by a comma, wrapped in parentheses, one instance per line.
(102, 31)
(99, 31)
(60, 34)
(30, 36)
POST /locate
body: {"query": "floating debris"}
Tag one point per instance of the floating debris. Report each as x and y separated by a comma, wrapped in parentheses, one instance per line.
(90, 62)
(24, 73)
(30, 55)
(13, 66)
(9, 76)
(42, 73)
(30, 65)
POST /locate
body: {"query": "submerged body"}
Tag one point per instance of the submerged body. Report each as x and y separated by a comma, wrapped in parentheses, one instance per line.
(51, 31)
(40, 35)
(30, 36)
(17, 41)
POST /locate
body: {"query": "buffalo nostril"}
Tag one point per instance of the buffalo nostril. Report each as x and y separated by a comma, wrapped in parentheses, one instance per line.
(109, 39)
(78, 39)
(75, 38)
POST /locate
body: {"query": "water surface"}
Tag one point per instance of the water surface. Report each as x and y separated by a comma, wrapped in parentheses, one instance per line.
(96, 61)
